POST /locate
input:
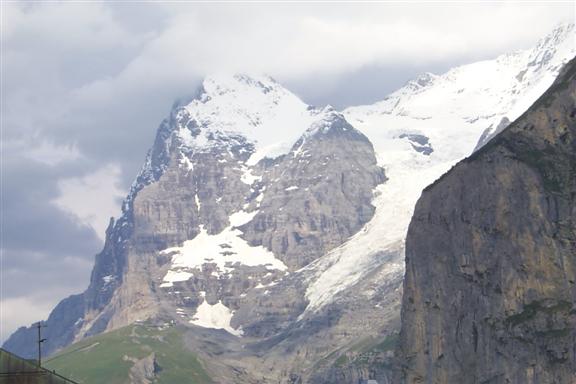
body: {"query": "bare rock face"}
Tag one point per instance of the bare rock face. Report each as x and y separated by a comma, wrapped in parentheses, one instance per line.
(348, 341)
(490, 285)
(144, 370)
(318, 195)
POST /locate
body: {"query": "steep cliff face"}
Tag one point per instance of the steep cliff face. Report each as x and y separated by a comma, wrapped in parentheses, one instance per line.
(490, 285)
(318, 195)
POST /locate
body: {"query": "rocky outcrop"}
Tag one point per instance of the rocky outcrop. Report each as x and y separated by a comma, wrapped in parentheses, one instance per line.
(490, 285)
(490, 132)
(144, 370)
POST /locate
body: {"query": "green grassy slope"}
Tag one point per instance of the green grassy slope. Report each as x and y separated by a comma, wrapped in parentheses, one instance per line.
(101, 359)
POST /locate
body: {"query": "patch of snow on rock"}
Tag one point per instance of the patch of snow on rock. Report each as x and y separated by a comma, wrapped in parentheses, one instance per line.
(241, 217)
(173, 276)
(225, 250)
(248, 178)
(216, 316)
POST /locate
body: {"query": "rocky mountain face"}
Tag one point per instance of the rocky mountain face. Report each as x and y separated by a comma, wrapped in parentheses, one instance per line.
(490, 287)
(273, 231)
(216, 229)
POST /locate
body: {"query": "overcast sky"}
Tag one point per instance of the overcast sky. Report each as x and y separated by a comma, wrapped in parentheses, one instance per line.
(86, 84)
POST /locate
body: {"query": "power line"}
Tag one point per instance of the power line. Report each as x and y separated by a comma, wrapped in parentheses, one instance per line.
(31, 373)
(42, 372)
(23, 373)
(67, 353)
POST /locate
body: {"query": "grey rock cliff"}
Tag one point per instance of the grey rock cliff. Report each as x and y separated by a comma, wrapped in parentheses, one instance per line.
(318, 195)
(490, 285)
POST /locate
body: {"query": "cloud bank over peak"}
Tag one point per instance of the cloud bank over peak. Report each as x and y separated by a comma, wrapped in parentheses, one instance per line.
(85, 85)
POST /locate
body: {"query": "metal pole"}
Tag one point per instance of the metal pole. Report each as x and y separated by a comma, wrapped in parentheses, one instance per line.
(39, 345)
(40, 341)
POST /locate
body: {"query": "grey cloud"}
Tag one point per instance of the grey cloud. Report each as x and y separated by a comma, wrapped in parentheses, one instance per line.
(363, 86)
(45, 275)
(38, 238)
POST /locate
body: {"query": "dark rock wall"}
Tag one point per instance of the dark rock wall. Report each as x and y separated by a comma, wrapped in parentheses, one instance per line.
(490, 285)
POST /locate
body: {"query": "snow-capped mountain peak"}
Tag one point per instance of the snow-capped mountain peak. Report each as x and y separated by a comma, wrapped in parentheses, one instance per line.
(424, 80)
(250, 114)
(255, 106)
(325, 120)
(220, 84)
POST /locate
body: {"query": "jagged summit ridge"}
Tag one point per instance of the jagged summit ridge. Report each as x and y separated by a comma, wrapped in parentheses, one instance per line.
(483, 88)
(545, 51)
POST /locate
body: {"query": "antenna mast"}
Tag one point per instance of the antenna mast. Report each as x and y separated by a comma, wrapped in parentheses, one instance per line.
(40, 341)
